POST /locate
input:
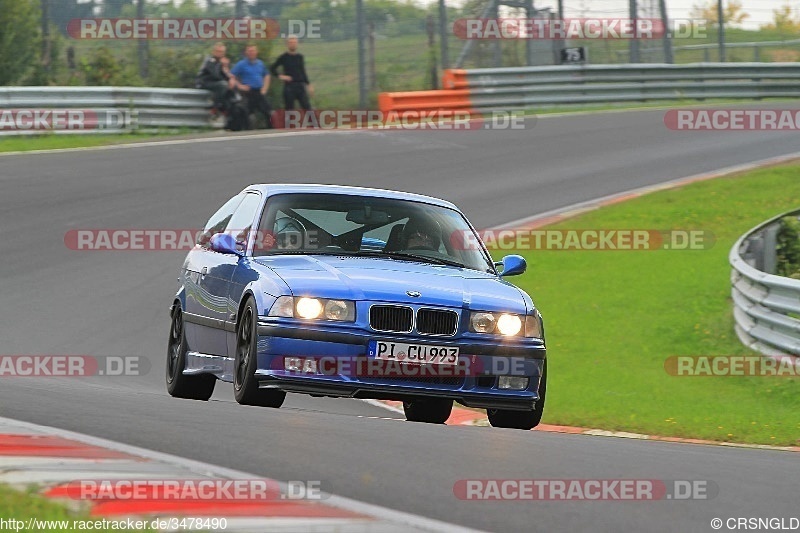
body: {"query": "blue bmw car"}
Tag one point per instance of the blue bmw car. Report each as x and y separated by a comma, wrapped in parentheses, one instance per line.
(356, 293)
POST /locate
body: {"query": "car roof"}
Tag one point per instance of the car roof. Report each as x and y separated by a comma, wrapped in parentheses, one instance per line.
(269, 189)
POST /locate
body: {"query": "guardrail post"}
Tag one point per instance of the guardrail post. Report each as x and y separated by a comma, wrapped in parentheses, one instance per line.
(769, 259)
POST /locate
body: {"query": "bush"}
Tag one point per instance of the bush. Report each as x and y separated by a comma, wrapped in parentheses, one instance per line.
(19, 39)
(176, 66)
(103, 69)
(788, 248)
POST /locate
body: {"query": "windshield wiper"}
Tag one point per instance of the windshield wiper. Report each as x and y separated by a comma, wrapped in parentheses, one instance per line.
(297, 252)
(372, 253)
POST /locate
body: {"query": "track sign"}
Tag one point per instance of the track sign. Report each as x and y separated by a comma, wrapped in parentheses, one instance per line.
(573, 55)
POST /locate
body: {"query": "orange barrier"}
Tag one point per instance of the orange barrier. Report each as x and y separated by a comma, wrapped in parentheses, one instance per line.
(454, 78)
(417, 100)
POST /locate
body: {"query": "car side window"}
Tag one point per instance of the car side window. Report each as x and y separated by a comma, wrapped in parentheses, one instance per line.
(219, 220)
(241, 222)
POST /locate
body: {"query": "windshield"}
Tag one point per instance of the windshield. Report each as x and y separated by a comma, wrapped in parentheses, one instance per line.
(366, 226)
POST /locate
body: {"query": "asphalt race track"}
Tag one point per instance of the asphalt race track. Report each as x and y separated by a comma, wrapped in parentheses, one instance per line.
(59, 301)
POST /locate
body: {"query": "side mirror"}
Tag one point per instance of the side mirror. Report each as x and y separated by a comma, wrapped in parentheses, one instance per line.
(513, 265)
(224, 243)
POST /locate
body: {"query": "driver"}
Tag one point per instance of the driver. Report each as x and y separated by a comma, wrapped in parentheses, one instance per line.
(422, 233)
(289, 234)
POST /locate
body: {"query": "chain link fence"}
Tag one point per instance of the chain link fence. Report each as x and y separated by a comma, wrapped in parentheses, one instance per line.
(402, 46)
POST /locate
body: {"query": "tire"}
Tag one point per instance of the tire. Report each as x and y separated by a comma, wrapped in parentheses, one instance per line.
(199, 387)
(525, 420)
(245, 363)
(430, 410)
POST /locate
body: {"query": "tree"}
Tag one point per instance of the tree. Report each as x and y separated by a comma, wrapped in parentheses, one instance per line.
(62, 11)
(784, 21)
(19, 38)
(732, 14)
(113, 8)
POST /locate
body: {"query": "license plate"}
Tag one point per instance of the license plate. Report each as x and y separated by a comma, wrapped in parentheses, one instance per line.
(413, 353)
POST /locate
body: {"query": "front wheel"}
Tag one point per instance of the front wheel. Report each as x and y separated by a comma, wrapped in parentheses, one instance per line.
(526, 420)
(430, 410)
(199, 387)
(245, 384)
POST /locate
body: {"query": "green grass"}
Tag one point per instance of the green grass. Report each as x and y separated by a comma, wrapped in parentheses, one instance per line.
(27, 143)
(613, 317)
(22, 506)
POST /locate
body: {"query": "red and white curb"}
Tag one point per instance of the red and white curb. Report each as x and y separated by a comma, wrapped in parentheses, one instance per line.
(55, 460)
(468, 417)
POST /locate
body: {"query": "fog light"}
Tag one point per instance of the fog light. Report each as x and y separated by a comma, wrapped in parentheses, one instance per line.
(293, 364)
(512, 382)
(300, 364)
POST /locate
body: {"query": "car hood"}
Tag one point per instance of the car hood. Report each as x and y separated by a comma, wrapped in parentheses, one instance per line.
(389, 280)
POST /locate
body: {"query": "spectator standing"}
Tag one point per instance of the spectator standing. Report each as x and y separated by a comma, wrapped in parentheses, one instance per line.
(295, 80)
(253, 80)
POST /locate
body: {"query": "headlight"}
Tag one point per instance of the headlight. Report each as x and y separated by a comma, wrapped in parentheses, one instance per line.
(483, 322)
(502, 323)
(311, 308)
(509, 324)
(338, 310)
(283, 306)
(308, 307)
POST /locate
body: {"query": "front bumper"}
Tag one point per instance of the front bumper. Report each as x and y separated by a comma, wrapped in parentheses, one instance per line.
(478, 387)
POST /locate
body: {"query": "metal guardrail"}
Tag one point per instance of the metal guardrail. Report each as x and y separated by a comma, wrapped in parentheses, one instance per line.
(707, 49)
(114, 109)
(510, 88)
(766, 307)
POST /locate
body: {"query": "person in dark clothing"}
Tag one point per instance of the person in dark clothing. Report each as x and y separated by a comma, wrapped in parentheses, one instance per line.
(253, 80)
(295, 80)
(214, 76)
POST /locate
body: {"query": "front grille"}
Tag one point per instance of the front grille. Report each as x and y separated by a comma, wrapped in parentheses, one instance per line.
(391, 318)
(437, 322)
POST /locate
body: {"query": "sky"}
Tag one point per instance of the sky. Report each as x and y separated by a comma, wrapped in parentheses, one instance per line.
(761, 11)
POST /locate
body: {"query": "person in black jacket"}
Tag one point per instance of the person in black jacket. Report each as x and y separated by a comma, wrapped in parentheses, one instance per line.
(215, 76)
(295, 80)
